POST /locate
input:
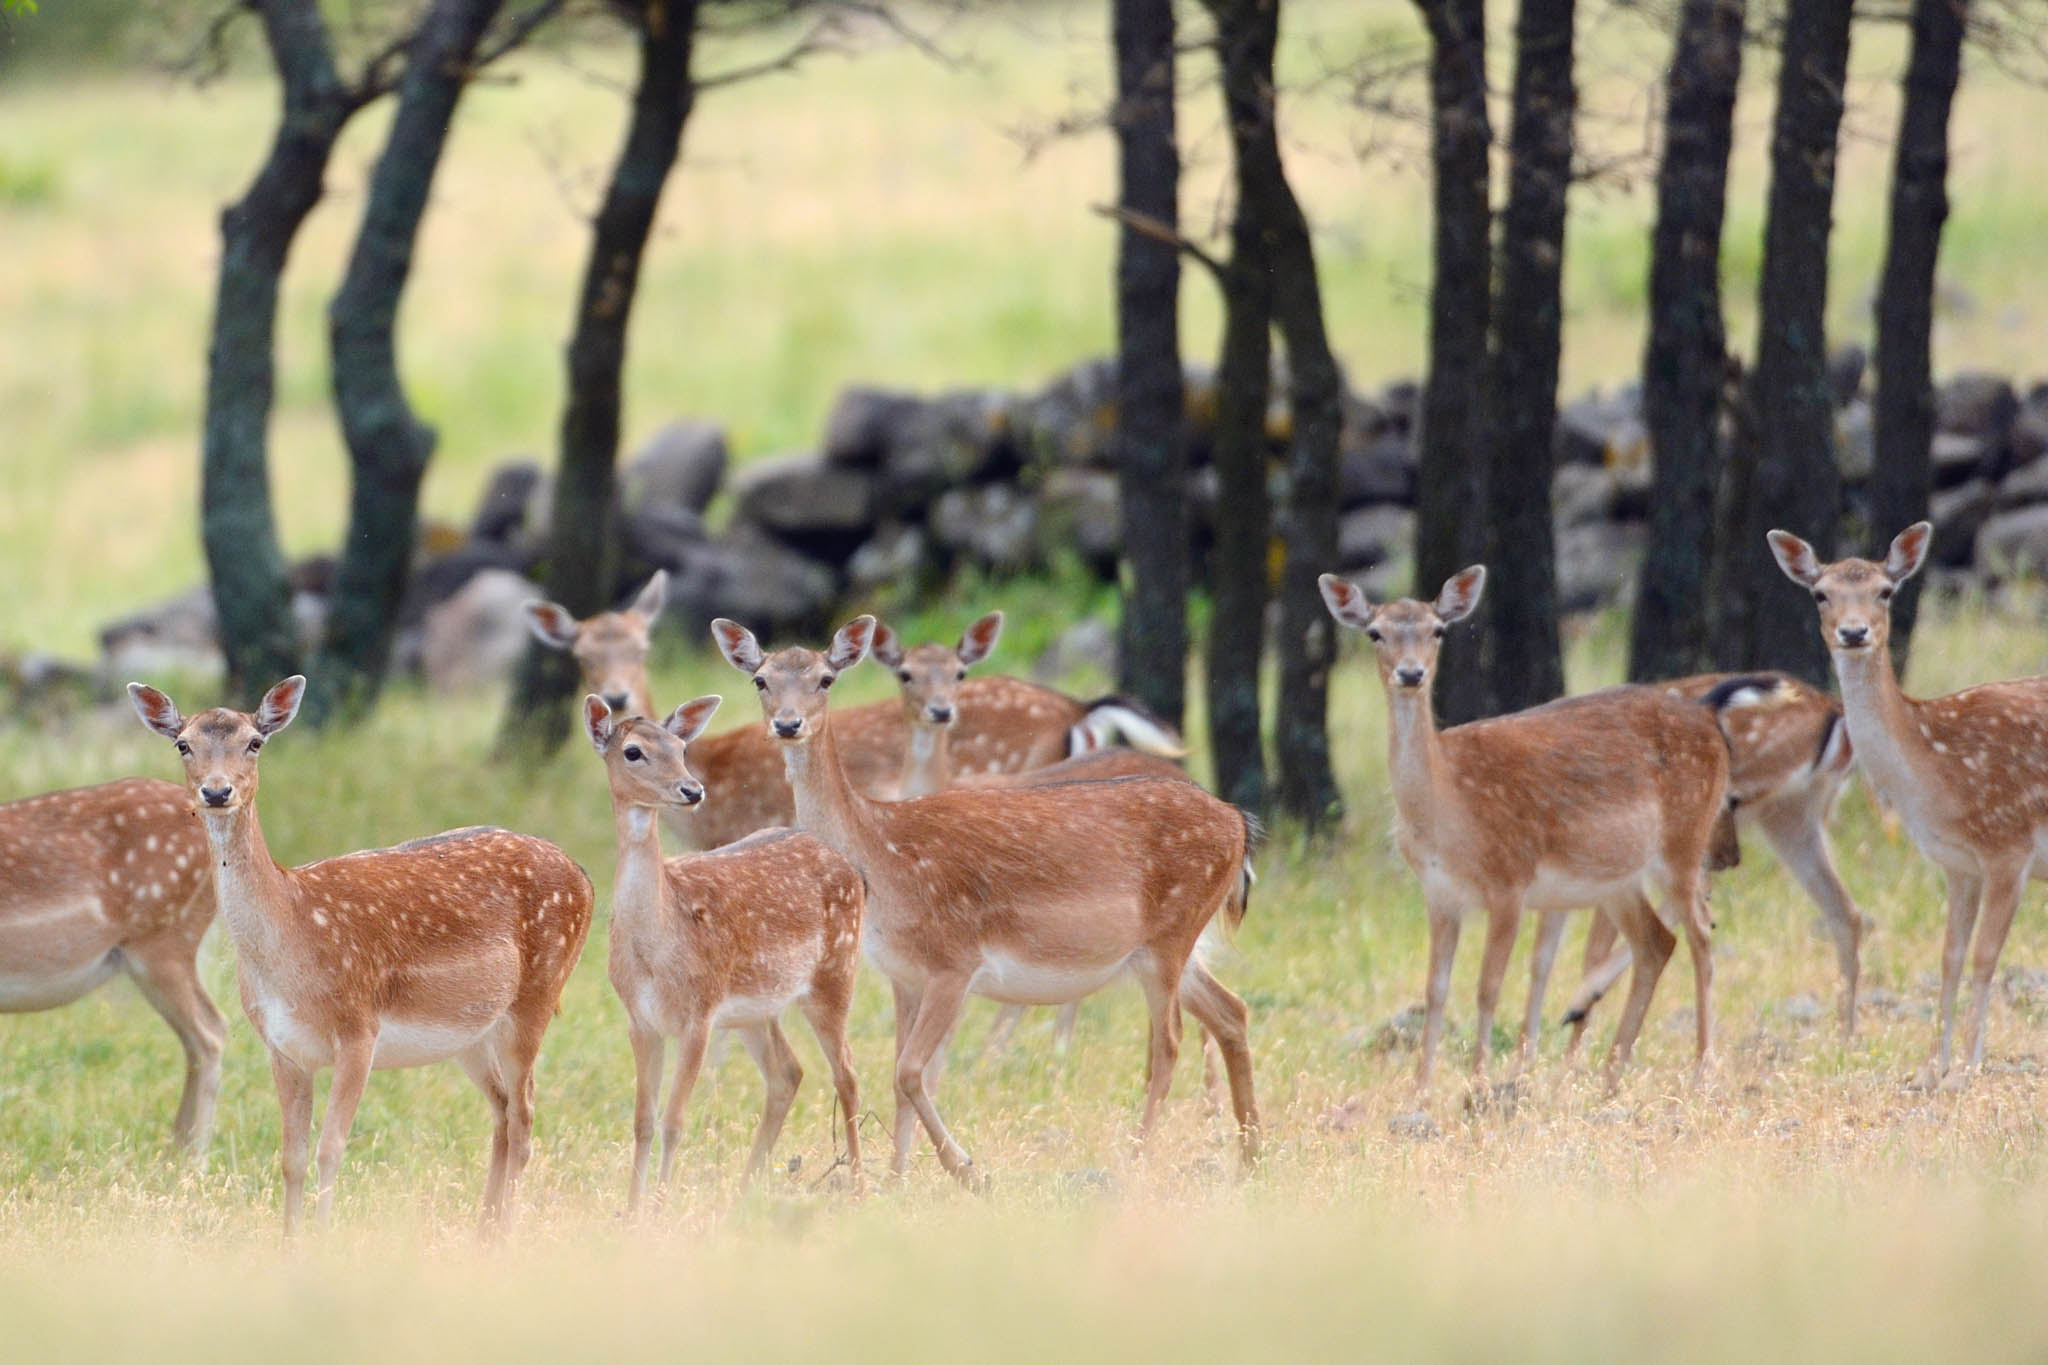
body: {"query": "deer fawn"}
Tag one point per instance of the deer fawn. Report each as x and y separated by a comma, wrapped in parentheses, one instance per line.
(1789, 757)
(1034, 895)
(1004, 724)
(1967, 773)
(728, 939)
(1578, 802)
(106, 879)
(450, 947)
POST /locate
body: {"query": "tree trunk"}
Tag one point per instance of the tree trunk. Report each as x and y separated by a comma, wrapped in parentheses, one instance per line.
(1904, 412)
(583, 539)
(1151, 454)
(1451, 474)
(1783, 464)
(250, 593)
(1685, 362)
(1526, 665)
(1246, 33)
(388, 444)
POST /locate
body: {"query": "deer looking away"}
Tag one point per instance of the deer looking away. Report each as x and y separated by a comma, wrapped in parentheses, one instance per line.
(450, 947)
(1967, 773)
(1001, 724)
(1587, 801)
(728, 939)
(106, 879)
(1033, 895)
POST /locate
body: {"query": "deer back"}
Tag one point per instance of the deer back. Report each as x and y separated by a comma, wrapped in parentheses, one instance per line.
(132, 850)
(1785, 736)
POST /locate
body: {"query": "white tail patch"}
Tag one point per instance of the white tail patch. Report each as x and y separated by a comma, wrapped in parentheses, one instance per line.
(1110, 719)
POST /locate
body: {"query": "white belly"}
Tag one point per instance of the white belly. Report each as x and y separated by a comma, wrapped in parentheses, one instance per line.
(747, 1009)
(412, 1042)
(1016, 982)
(24, 992)
(53, 952)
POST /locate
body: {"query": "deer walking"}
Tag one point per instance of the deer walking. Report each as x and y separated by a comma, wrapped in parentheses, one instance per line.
(107, 879)
(728, 939)
(1003, 724)
(1590, 800)
(1034, 895)
(1967, 773)
(453, 947)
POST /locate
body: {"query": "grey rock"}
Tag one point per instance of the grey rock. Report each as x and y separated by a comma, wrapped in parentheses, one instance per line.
(754, 579)
(1077, 511)
(1087, 646)
(1958, 458)
(2014, 541)
(1071, 420)
(505, 511)
(1596, 564)
(897, 556)
(475, 637)
(1400, 405)
(2025, 987)
(1368, 536)
(1958, 514)
(681, 467)
(823, 510)
(955, 439)
(1414, 1126)
(1802, 1009)
(1977, 404)
(1400, 1031)
(1382, 470)
(1855, 442)
(1845, 372)
(1581, 493)
(177, 635)
(2030, 430)
(2024, 486)
(657, 537)
(860, 429)
(995, 525)
(1598, 429)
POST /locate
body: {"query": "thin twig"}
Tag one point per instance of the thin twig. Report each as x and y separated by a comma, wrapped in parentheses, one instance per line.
(1145, 225)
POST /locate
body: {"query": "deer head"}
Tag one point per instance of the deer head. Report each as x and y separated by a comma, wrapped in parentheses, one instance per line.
(647, 763)
(1854, 595)
(793, 682)
(1406, 634)
(220, 746)
(610, 648)
(930, 675)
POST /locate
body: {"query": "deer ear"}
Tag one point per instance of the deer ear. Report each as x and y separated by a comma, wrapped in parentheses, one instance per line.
(1346, 601)
(156, 710)
(597, 721)
(1460, 595)
(551, 625)
(980, 638)
(648, 603)
(887, 648)
(1795, 557)
(687, 721)
(850, 645)
(737, 644)
(1909, 551)
(280, 704)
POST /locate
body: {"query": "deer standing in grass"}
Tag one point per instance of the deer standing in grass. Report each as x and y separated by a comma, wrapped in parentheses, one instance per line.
(727, 939)
(106, 879)
(454, 947)
(1967, 773)
(1035, 895)
(1003, 724)
(1586, 801)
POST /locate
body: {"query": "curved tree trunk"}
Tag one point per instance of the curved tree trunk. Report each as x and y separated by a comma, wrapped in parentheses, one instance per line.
(1451, 473)
(388, 444)
(250, 592)
(1151, 456)
(1685, 362)
(583, 540)
(1526, 665)
(1782, 469)
(1903, 418)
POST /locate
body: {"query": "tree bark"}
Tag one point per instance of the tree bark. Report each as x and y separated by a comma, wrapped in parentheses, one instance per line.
(1685, 362)
(1451, 475)
(251, 594)
(583, 540)
(1903, 415)
(388, 444)
(1526, 664)
(1783, 468)
(1151, 402)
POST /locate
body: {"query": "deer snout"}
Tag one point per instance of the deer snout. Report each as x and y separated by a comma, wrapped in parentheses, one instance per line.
(216, 796)
(939, 713)
(1852, 636)
(1409, 675)
(618, 699)
(788, 728)
(690, 792)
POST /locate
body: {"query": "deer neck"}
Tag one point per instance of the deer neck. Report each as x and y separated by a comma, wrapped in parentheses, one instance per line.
(1882, 720)
(637, 890)
(1415, 759)
(253, 892)
(827, 806)
(927, 761)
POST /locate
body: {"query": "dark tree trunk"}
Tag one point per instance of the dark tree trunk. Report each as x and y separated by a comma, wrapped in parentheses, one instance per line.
(1151, 455)
(388, 444)
(1904, 414)
(1526, 665)
(1685, 362)
(250, 591)
(583, 540)
(1246, 33)
(1782, 468)
(1451, 479)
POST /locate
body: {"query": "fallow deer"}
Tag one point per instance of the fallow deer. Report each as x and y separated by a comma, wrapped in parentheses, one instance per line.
(728, 939)
(1967, 773)
(453, 947)
(1584, 801)
(1005, 725)
(106, 879)
(1034, 895)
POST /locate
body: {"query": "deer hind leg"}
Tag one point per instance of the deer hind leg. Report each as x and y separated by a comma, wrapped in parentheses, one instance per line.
(827, 1018)
(1964, 892)
(1549, 930)
(352, 1057)
(168, 977)
(1443, 948)
(1798, 834)
(1602, 966)
(295, 1105)
(650, 1051)
(2003, 887)
(1162, 1003)
(903, 1131)
(1650, 946)
(1688, 894)
(781, 1073)
(480, 1064)
(1228, 1024)
(1001, 1031)
(1063, 1028)
(1503, 920)
(695, 1041)
(938, 1011)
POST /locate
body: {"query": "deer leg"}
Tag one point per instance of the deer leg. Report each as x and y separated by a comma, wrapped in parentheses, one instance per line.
(937, 1012)
(1549, 931)
(514, 1063)
(1162, 1002)
(1650, 946)
(1063, 1028)
(781, 1073)
(904, 1129)
(1228, 1024)
(650, 1051)
(1603, 965)
(166, 974)
(1799, 836)
(1443, 947)
(480, 1064)
(694, 1043)
(2003, 887)
(1503, 919)
(351, 1073)
(1689, 895)
(1000, 1032)
(828, 1022)
(1964, 889)
(295, 1104)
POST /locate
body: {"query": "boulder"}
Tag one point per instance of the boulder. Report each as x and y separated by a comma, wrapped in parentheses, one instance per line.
(1958, 514)
(1071, 420)
(1855, 443)
(1596, 564)
(1596, 428)
(438, 577)
(2014, 541)
(958, 438)
(1078, 511)
(860, 429)
(176, 635)
(897, 556)
(1580, 493)
(1845, 373)
(1371, 536)
(505, 512)
(476, 637)
(994, 526)
(2030, 430)
(2025, 486)
(1959, 458)
(1977, 404)
(1400, 405)
(657, 536)
(825, 511)
(1383, 470)
(681, 467)
(1087, 646)
(754, 579)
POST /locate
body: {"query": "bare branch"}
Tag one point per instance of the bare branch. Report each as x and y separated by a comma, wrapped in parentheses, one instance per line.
(208, 59)
(517, 32)
(826, 35)
(1145, 225)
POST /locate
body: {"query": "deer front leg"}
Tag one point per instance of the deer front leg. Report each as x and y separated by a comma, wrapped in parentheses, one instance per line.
(1443, 947)
(694, 1043)
(1549, 931)
(1999, 900)
(351, 1073)
(1603, 965)
(1503, 918)
(295, 1104)
(650, 1051)
(1650, 946)
(1964, 889)
(937, 1012)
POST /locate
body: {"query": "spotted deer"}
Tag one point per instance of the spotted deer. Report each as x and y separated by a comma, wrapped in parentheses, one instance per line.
(722, 940)
(1030, 895)
(107, 879)
(1001, 724)
(453, 947)
(1967, 773)
(1586, 801)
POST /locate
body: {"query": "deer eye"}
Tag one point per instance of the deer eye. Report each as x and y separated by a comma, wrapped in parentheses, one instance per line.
(902, 675)
(826, 681)
(1372, 633)
(1438, 632)
(760, 683)
(184, 748)
(633, 754)
(1884, 594)
(255, 744)
(960, 676)
(1820, 598)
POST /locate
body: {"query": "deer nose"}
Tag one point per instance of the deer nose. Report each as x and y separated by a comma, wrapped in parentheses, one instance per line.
(789, 729)
(690, 792)
(1409, 675)
(1853, 636)
(216, 796)
(941, 715)
(618, 701)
